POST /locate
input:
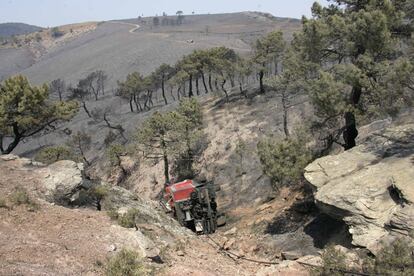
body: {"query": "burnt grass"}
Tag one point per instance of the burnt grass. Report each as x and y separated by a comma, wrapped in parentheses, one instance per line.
(293, 218)
(322, 228)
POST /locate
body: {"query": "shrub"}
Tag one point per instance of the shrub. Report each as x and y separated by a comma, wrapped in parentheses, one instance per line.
(126, 262)
(112, 213)
(394, 259)
(284, 160)
(3, 203)
(114, 153)
(127, 220)
(333, 263)
(53, 154)
(55, 32)
(38, 37)
(98, 193)
(20, 197)
(110, 138)
(241, 151)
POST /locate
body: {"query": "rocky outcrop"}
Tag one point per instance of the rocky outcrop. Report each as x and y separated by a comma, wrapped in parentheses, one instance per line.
(58, 183)
(62, 180)
(77, 238)
(370, 187)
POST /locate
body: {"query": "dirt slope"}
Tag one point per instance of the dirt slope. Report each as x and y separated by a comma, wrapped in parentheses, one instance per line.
(52, 240)
(55, 240)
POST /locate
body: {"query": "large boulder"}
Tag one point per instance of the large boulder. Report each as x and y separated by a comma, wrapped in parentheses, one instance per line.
(370, 187)
(62, 181)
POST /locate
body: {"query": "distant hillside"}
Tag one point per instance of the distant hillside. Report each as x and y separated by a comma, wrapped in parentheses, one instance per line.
(124, 46)
(11, 29)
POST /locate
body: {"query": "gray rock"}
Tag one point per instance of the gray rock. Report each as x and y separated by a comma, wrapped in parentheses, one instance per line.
(62, 180)
(8, 157)
(370, 187)
(290, 255)
(232, 231)
(111, 248)
(403, 220)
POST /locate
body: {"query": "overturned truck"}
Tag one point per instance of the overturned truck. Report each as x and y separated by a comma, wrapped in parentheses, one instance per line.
(194, 205)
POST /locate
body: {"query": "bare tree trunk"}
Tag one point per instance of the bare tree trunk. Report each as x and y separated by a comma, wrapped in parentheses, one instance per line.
(241, 89)
(276, 67)
(137, 103)
(150, 92)
(172, 95)
(204, 82)
(285, 115)
(86, 109)
(197, 87)
(189, 152)
(224, 90)
(179, 92)
(146, 102)
(190, 87)
(119, 128)
(94, 92)
(17, 138)
(166, 169)
(232, 81)
(351, 132)
(60, 94)
(1, 143)
(83, 154)
(131, 98)
(165, 158)
(261, 75)
(163, 90)
(216, 84)
(209, 82)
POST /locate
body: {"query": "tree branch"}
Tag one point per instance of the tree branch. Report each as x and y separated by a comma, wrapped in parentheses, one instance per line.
(39, 129)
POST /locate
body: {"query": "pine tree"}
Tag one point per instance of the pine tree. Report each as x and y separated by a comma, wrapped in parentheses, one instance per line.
(190, 134)
(163, 74)
(26, 110)
(157, 138)
(268, 50)
(357, 46)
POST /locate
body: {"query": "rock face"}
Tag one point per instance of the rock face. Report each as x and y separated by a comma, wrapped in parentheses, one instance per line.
(370, 187)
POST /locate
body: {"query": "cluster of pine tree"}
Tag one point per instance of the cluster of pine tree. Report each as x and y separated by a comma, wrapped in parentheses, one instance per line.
(173, 137)
(354, 60)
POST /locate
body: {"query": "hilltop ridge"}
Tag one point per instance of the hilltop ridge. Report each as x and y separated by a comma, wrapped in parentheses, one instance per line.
(13, 29)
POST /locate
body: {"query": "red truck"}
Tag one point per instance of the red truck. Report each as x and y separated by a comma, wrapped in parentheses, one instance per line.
(193, 204)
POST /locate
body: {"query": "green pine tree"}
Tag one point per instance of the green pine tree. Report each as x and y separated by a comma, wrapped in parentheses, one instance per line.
(26, 110)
